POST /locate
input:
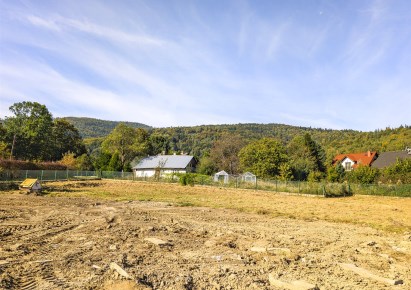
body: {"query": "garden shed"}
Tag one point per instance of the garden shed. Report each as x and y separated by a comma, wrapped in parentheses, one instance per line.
(248, 177)
(221, 176)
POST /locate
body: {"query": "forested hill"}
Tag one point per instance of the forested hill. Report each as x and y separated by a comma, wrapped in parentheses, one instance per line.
(197, 140)
(91, 128)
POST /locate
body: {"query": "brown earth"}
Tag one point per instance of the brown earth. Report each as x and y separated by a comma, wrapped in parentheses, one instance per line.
(60, 242)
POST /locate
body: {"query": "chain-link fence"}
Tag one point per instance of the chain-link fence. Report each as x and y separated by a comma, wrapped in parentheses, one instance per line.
(300, 187)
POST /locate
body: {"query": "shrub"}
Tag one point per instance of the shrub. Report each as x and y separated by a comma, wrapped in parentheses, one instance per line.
(187, 179)
(28, 165)
(363, 175)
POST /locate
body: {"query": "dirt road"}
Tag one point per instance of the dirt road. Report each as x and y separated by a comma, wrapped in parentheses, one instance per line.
(79, 243)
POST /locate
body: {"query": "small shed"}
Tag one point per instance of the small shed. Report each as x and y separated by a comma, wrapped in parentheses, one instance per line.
(31, 185)
(248, 177)
(221, 176)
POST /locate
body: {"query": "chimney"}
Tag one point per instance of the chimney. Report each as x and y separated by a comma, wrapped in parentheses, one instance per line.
(369, 153)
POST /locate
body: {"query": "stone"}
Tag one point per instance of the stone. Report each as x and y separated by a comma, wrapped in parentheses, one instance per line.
(367, 274)
(258, 249)
(157, 242)
(294, 285)
(279, 251)
(119, 270)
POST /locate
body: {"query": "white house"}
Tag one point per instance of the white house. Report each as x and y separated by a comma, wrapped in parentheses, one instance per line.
(351, 161)
(164, 164)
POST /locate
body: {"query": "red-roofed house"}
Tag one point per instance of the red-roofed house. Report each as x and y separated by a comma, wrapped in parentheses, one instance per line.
(351, 161)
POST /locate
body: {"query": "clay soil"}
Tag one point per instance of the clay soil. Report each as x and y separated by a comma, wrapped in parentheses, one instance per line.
(70, 238)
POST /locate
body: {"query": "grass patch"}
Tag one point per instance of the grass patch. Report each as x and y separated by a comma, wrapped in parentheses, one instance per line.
(387, 213)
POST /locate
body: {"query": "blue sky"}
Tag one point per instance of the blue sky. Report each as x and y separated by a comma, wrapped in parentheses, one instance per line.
(328, 64)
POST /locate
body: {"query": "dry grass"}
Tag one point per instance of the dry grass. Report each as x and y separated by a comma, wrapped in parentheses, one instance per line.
(387, 213)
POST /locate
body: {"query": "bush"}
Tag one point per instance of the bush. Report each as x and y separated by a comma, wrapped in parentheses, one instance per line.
(28, 165)
(400, 172)
(8, 186)
(363, 175)
(187, 179)
(315, 176)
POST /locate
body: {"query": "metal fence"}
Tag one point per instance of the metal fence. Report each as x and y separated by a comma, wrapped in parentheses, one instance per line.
(301, 187)
(47, 175)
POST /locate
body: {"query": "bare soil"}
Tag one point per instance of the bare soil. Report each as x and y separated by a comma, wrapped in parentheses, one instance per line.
(49, 242)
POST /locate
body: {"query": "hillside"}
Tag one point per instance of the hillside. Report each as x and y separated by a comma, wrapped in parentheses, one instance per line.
(92, 128)
(197, 140)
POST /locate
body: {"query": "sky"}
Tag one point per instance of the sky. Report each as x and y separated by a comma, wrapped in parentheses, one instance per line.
(337, 64)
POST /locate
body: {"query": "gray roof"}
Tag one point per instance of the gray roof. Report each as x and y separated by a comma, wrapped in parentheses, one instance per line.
(247, 174)
(222, 172)
(165, 161)
(389, 158)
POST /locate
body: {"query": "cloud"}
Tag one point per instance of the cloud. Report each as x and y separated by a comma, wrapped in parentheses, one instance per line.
(167, 64)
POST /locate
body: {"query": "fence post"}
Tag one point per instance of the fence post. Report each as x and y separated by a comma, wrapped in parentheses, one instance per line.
(67, 174)
(276, 185)
(41, 178)
(55, 175)
(298, 186)
(27, 173)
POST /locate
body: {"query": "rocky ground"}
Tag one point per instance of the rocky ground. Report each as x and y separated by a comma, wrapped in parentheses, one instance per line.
(79, 243)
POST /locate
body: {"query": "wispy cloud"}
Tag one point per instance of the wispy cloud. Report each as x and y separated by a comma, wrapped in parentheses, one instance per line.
(187, 63)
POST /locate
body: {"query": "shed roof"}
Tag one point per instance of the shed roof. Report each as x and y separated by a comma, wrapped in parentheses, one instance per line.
(165, 161)
(28, 182)
(389, 158)
(222, 172)
(248, 174)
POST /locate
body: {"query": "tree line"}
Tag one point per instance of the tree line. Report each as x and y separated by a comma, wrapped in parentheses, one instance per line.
(268, 150)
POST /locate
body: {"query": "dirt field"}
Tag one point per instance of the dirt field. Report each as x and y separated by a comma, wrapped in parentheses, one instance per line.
(91, 235)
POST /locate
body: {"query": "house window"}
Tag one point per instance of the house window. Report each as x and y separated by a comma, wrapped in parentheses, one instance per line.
(348, 166)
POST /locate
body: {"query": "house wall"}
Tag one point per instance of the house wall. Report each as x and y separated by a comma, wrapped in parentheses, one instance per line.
(345, 163)
(152, 172)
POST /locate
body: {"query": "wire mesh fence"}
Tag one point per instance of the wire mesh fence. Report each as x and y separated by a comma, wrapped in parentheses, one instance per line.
(233, 181)
(47, 175)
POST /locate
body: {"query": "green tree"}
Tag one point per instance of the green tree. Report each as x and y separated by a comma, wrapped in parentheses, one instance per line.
(206, 165)
(127, 142)
(66, 138)
(286, 172)
(263, 157)
(336, 173)
(101, 161)
(400, 172)
(224, 153)
(159, 143)
(363, 175)
(306, 156)
(4, 150)
(115, 163)
(315, 176)
(29, 131)
(84, 162)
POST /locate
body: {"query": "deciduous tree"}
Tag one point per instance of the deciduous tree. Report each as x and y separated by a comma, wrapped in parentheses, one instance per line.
(224, 153)
(29, 131)
(66, 138)
(263, 157)
(127, 142)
